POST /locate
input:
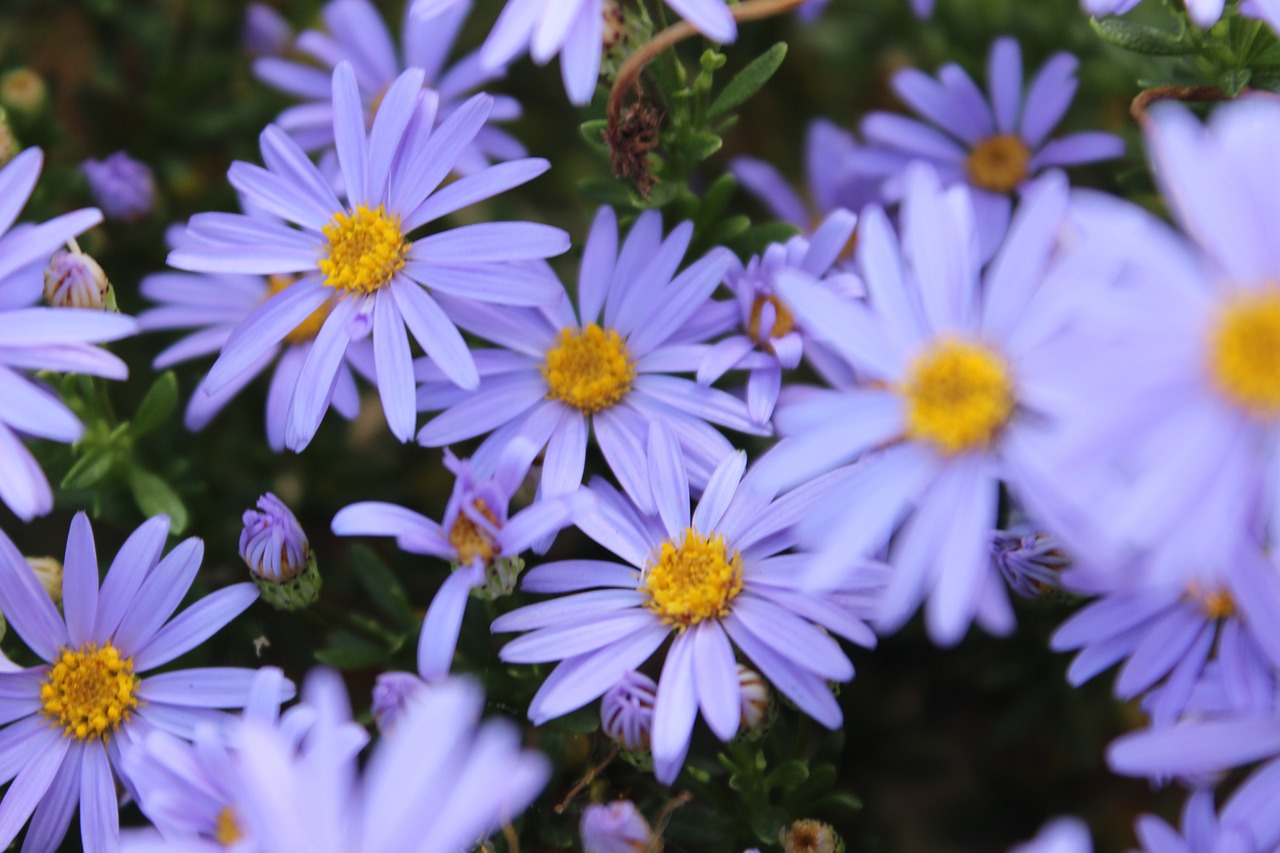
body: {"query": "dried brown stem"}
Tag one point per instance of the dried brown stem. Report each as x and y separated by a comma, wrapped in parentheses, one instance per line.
(587, 780)
(1142, 102)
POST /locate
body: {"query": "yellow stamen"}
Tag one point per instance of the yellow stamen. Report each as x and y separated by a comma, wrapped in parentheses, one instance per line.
(1214, 603)
(783, 322)
(365, 249)
(90, 692)
(958, 396)
(590, 370)
(1244, 352)
(470, 539)
(227, 831)
(693, 580)
(998, 163)
(308, 328)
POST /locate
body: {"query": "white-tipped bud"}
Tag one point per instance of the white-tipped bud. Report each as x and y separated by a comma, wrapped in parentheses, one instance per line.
(49, 572)
(757, 698)
(74, 280)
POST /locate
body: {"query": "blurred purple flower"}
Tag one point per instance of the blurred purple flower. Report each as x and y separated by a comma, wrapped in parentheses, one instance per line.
(265, 31)
(122, 186)
(1063, 835)
(616, 827)
(392, 693)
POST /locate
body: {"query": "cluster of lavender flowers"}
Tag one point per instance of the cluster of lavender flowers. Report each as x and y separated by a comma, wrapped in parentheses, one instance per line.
(969, 378)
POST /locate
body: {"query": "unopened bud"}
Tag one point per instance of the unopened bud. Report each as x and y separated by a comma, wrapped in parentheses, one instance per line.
(122, 186)
(757, 700)
(23, 90)
(276, 550)
(9, 146)
(626, 711)
(49, 572)
(75, 280)
(392, 692)
(616, 827)
(810, 836)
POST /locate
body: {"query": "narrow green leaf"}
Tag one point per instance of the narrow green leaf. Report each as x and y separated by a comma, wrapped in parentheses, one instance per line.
(384, 588)
(788, 775)
(1141, 38)
(157, 406)
(89, 469)
(348, 651)
(610, 191)
(702, 144)
(155, 497)
(749, 80)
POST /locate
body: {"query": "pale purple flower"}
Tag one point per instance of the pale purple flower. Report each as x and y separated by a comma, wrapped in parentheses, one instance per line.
(265, 31)
(355, 32)
(123, 187)
(272, 543)
(212, 306)
(765, 337)
(67, 717)
(56, 339)
(626, 710)
(616, 827)
(392, 692)
(358, 249)
(960, 395)
(1248, 820)
(833, 178)
(1063, 835)
(476, 535)
(607, 366)
(1100, 8)
(438, 782)
(574, 29)
(994, 147)
(744, 592)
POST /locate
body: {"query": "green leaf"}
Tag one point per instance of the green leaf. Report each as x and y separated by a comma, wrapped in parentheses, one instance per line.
(156, 497)
(90, 468)
(1234, 81)
(610, 191)
(839, 800)
(757, 239)
(702, 144)
(157, 406)
(749, 80)
(348, 651)
(581, 722)
(593, 132)
(788, 775)
(766, 824)
(1141, 38)
(384, 588)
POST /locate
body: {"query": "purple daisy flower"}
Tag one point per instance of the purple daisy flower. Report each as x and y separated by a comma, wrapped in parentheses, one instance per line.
(59, 339)
(960, 394)
(577, 30)
(436, 783)
(1248, 821)
(359, 249)
(186, 789)
(355, 32)
(833, 179)
(476, 535)
(608, 366)
(213, 306)
(765, 338)
(993, 147)
(66, 718)
(709, 580)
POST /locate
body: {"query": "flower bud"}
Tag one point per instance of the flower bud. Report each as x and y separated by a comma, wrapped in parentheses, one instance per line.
(9, 146)
(276, 550)
(1030, 562)
(74, 280)
(49, 572)
(23, 90)
(122, 186)
(616, 827)
(626, 711)
(757, 699)
(810, 836)
(391, 694)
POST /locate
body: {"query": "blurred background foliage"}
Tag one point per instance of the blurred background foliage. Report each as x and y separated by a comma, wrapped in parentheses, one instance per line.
(969, 749)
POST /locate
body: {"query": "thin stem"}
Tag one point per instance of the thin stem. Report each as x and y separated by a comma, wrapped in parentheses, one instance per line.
(1138, 108)
(660, 823)
(587, 780)
(629, 74)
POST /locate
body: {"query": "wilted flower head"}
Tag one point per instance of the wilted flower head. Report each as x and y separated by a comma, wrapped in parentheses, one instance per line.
(22, 89)
(392, 692)
(626, 710)
(123, 187)
(75, 280)
(810, 836)
(616, 827)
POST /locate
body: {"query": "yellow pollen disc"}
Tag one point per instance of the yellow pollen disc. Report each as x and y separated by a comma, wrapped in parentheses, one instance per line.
(783, 323)
(958, 395)
(1213, 603)
(1244, 352)
(227, 831)
(308, 328)
(90, 692)
(470, 539)
(590, 370)
(693, 580)
(365, 249)
(998, 163)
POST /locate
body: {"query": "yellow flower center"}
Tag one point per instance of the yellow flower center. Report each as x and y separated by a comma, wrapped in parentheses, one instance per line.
(366, 248)
(470, 539)
(998, 163)
(90, 692)
(590, 370)
(958, 395)
(783, 322)
(308, 328)
(1244, 352)
(693, 580)
(227, 831)
(1213, 603)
